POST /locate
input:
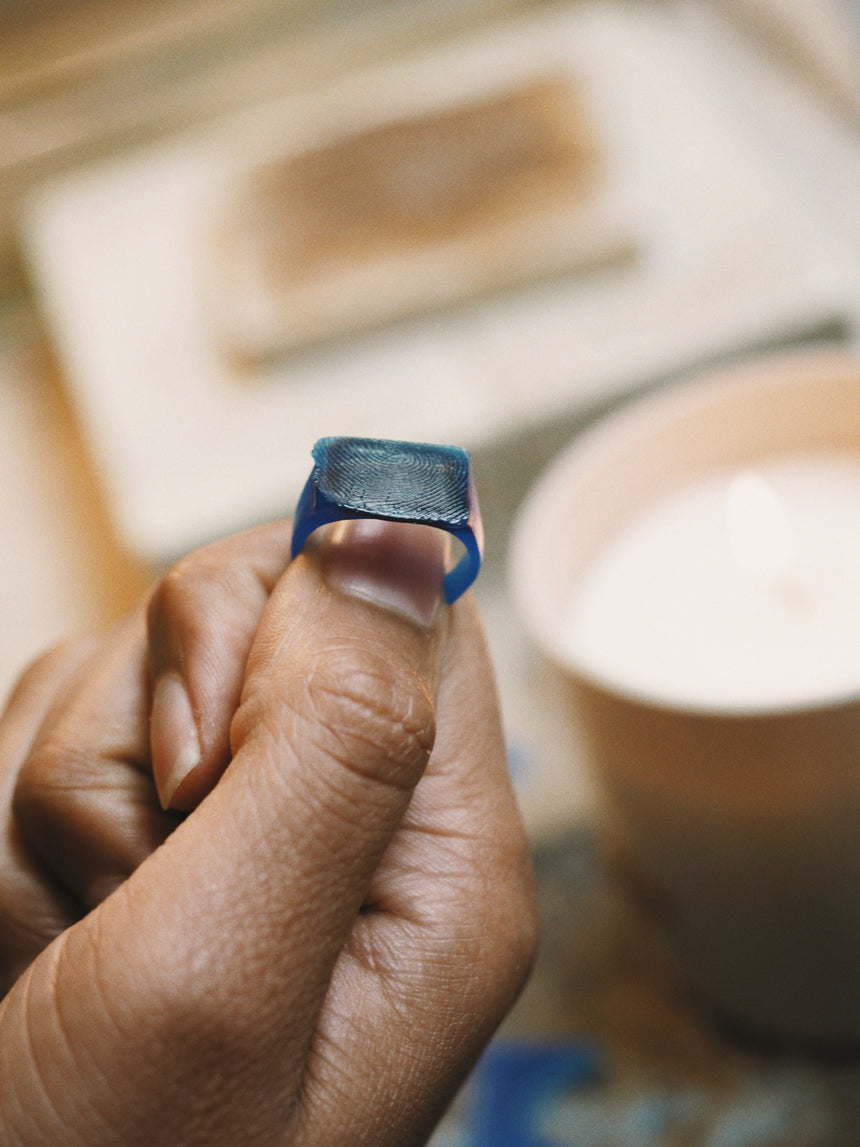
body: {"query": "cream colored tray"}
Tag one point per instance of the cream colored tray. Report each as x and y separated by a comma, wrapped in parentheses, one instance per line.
(189, 445)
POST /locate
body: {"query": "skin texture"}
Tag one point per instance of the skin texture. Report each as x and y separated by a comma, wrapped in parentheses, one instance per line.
(313, 942)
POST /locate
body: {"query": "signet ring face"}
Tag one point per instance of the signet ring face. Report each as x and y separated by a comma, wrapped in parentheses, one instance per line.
(398, 482)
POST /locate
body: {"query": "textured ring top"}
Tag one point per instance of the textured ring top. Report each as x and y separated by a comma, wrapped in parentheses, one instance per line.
(399, 482)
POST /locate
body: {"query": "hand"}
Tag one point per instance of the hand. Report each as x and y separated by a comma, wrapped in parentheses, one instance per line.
(317, 952)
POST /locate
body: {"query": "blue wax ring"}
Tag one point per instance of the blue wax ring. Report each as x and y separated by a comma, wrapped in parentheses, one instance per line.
(398, 482)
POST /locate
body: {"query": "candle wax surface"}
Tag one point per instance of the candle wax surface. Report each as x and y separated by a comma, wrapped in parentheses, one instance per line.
(672, 610)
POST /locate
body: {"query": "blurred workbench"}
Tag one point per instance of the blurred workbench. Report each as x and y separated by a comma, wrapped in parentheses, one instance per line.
(78, 82)
(91, 79)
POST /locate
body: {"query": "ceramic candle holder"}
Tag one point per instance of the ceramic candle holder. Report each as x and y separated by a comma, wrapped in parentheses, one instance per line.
(743, 821)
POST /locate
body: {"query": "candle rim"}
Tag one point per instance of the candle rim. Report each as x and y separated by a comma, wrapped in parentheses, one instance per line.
(810, 378)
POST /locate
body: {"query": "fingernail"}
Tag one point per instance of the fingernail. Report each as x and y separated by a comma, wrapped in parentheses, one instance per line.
(174, 740)
(397, 565)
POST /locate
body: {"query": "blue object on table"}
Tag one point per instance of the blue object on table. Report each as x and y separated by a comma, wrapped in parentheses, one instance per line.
(514, 1084)
(399, 482)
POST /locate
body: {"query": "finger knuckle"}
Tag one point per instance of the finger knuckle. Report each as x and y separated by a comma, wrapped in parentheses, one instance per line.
(42, 674)
(378, 717)
(365, 712)
(523, 930)
(47, 782)
(505, 903)
(177, 597)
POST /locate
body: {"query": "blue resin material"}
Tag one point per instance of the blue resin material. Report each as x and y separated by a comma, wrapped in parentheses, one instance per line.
(396, 481)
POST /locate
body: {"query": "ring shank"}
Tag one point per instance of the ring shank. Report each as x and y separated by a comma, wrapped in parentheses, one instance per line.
(315, 509)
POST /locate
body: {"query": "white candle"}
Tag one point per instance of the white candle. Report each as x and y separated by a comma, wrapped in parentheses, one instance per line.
(740, 592)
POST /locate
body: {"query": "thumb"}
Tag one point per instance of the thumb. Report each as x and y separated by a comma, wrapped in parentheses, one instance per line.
(201, 978)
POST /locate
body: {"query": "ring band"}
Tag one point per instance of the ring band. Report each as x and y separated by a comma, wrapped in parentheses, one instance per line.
(397, 482)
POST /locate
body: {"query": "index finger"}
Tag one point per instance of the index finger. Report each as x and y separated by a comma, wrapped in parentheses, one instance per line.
(201, 621)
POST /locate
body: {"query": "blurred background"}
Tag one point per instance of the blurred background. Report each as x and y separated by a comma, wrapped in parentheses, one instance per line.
(228, 228)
